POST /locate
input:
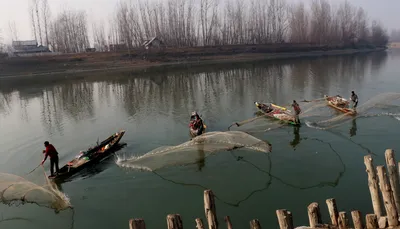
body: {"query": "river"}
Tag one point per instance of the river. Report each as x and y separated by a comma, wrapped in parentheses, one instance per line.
(153, 106)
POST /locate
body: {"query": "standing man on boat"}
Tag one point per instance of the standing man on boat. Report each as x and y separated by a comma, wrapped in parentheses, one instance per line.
(354, 99)
(297, 110)
(51, 152)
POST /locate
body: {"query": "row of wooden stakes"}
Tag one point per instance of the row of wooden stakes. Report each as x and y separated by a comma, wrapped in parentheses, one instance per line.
(379, 179)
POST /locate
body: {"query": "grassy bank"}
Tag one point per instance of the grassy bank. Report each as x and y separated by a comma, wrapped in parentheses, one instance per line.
(139, 58)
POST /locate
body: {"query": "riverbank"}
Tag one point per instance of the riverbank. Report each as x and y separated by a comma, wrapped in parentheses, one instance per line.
(140, 59)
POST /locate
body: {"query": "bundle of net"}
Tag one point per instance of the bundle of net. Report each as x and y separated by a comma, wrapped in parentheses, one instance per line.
(17, 190)
(194, 150)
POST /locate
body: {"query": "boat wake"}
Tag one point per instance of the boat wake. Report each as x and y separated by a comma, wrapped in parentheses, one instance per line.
(194, 151)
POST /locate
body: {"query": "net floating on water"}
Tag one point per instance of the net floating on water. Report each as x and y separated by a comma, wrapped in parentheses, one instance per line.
(195, 150)
(16, 190)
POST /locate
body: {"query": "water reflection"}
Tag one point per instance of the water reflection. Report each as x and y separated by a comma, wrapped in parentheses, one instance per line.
(270, 177)
(353, 129)
(296, 139)
(176, 92)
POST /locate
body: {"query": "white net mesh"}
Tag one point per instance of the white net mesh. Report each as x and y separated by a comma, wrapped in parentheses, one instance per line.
(15, 189)
(376, 106)
(192, 151)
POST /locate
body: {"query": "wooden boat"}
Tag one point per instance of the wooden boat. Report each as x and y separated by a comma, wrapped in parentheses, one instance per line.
(340, 104)
(92, 156)
(277, 112)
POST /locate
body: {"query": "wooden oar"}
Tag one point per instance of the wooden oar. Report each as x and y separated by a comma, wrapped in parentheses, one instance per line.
(315, 100)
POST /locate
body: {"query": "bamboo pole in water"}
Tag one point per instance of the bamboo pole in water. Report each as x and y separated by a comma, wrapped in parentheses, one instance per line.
(382, 222)
(255, 224)
(137, 224)
(210, 210)
(343, 221)
(371, 221)
(314, 214)
(199, 224)
(174, 221)
(284, 219)
(228, 222)
(357, 220)
(388, 198)
(333, 212)
(393, 176)
(373, 185)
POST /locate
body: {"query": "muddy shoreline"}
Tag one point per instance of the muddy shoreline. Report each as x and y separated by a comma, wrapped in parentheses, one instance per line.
(109, 62)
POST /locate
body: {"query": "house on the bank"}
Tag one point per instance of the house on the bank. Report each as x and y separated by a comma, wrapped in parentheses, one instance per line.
(153, 43)
(28, 48)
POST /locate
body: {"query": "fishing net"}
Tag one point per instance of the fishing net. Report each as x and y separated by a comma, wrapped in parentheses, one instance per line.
(263, 123)
(16, 190)
(376, 106)
(193, 151)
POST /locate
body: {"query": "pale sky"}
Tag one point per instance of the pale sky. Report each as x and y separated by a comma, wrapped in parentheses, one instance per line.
(387, 11)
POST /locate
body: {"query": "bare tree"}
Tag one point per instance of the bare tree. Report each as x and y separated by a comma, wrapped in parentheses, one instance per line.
(33, 22)
(298, 23)
(46, 19)
(39, 29)
(99, 36)
(69, 32)
(379, 35)
(13, 30)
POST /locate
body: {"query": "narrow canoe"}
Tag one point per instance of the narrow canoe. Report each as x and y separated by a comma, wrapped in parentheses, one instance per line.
(92, 156)
(277, 113)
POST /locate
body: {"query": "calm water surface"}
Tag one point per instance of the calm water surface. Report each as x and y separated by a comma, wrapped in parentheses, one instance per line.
(153, 106)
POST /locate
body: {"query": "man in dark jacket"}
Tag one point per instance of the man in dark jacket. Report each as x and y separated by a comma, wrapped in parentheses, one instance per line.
(51, 152)
(354, 99)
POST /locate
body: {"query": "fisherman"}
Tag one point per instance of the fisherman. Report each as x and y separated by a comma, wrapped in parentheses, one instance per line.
(297, 111)
(197, 123)
(53, 154)
(354, 99)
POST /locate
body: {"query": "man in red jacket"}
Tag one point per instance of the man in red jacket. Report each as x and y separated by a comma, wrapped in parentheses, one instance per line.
(53, 154)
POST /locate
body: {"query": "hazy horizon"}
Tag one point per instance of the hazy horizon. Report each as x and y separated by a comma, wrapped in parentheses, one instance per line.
(101, 10)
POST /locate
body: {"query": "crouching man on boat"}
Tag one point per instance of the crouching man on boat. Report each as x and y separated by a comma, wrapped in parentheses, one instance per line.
(297, 111)
(354, 99)
(51, 152)
(196, 123)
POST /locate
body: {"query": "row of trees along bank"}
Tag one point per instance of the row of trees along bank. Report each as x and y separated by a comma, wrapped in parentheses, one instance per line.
(208, 22)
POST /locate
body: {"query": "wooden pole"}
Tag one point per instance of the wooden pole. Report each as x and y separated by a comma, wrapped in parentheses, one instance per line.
(228, 222)
(209, 208)
(342, 220)
(174, 221)
(255, 224)
(388, 198)
(373, 185)
(371, 221)
(284, 219)
(357, 221)
(290, 219)
(393, 176)
(382, 222)
(314, 214)
(137, 224)
(333, 212)
(199, 224)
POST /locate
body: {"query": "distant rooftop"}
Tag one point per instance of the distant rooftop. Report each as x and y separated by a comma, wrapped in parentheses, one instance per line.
(25, 43)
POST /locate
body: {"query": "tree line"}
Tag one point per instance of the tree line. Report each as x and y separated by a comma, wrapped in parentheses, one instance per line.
(208, 22)
(395, 35)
